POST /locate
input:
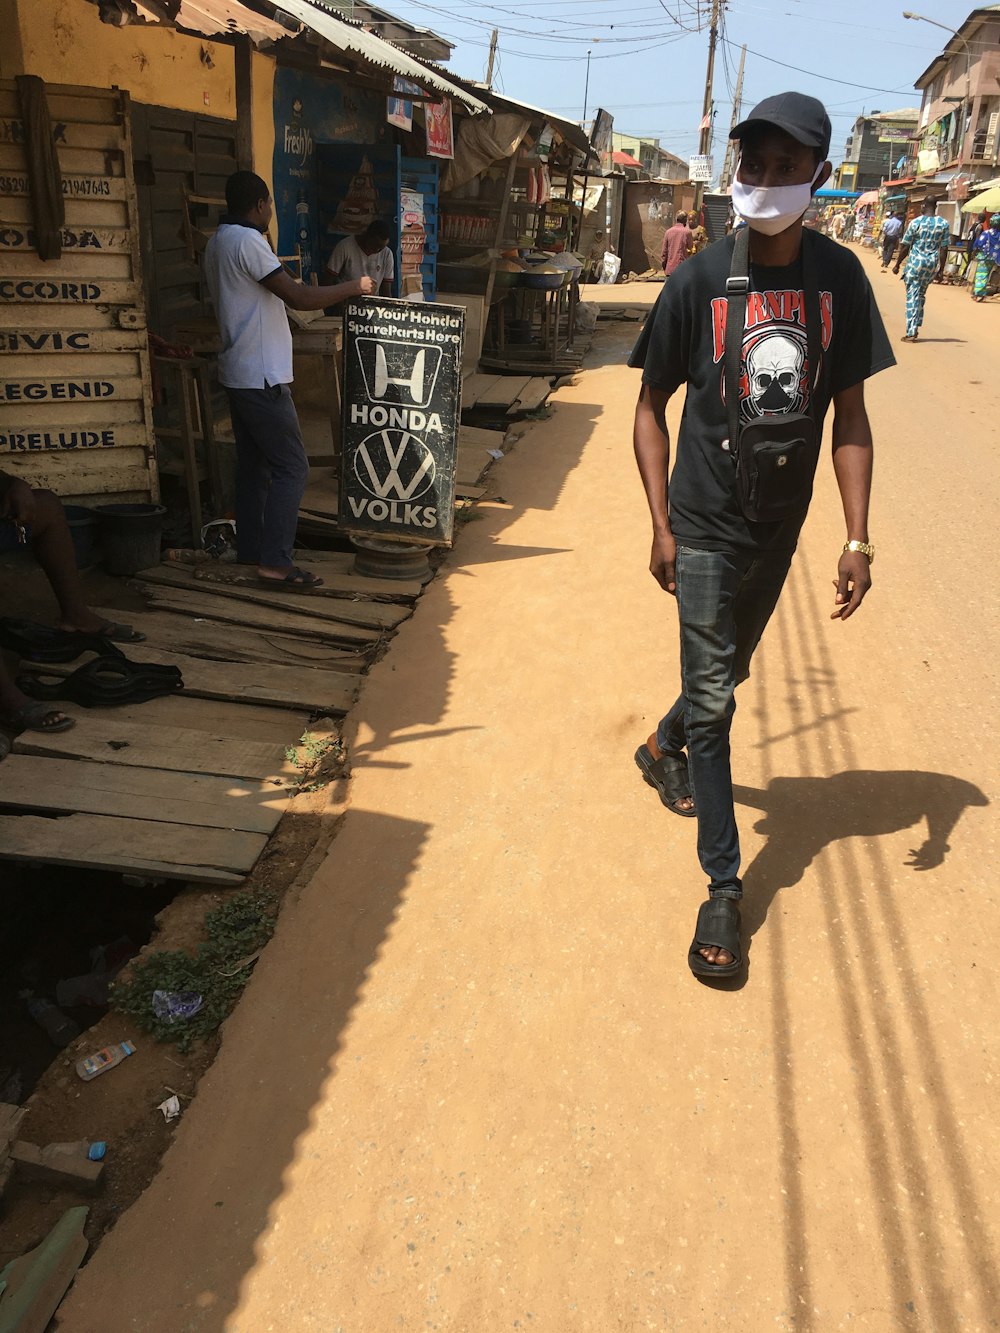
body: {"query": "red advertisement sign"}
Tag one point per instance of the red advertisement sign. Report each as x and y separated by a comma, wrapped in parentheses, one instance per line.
(440, 138)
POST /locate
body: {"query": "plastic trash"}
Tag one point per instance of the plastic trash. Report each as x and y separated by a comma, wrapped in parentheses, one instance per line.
(171, 1108)
(176, 1006)
(92, 1065)
(82, 1150)
(59, 1027)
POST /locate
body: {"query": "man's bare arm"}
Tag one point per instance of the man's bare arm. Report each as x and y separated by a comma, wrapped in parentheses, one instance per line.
(651, 441)
(852, 464)
(302, 297)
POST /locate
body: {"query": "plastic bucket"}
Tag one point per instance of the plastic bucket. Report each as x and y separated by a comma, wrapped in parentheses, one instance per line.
(83, 530)
(130, 536)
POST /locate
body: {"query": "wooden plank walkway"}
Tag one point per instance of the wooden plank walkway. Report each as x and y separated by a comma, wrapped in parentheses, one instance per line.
(191, 786)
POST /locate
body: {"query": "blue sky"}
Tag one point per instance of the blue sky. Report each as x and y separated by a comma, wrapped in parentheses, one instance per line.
(648, 56)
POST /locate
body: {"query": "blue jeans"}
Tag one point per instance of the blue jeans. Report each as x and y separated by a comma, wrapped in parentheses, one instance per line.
(724, 601)
(271, 474)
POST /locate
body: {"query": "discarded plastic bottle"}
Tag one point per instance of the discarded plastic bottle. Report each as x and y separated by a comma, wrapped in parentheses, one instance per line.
(95, 1064)
(59, 1027)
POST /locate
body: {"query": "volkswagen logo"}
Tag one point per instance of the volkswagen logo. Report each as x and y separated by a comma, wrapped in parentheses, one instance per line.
(394, 465)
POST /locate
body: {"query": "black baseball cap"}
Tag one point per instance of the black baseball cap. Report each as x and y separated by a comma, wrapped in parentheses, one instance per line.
(804, 118)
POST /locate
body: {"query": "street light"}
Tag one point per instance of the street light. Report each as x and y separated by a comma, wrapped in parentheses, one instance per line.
(922, 18)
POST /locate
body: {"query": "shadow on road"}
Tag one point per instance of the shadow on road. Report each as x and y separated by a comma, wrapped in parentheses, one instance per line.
(802, 815)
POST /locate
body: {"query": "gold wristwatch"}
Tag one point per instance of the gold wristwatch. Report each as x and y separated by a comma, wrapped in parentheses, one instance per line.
(865, 548)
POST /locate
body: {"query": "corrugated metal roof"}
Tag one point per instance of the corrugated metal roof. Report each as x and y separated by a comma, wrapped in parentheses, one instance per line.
(346, 37)
(215, 18)
(218, 18)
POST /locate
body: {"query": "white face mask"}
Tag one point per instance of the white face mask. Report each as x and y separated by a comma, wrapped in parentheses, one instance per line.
(772, 208)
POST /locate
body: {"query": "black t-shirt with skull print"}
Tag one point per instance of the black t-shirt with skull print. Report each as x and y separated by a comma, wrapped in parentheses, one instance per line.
(683, 342)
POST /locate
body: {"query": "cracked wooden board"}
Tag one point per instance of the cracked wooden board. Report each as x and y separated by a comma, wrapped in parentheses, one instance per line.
(110, 740)
(80, 786)
(132, 846)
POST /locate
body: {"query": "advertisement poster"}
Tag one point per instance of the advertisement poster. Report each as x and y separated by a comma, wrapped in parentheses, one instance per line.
(700, 169)
(413, 239)
(399, 111)
(310, 111)
(440, 139)
(401, 404)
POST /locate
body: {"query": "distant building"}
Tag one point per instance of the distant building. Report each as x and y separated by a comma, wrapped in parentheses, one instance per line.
(656, 162)
(960, 111)
(879, 148)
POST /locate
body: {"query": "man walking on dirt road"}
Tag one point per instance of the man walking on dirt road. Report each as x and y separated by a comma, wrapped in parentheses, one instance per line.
(810, 338)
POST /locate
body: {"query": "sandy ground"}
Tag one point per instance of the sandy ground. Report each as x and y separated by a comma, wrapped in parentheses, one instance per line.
(473, 1086)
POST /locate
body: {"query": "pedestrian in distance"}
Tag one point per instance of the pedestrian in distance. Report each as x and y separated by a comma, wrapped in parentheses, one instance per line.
(891, 229)
(924, 247)
(806, 333)
(697, 236)
(987, 254)
(250, 289)
(675, 245)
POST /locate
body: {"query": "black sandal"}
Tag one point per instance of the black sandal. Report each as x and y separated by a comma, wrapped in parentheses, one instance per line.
(718, 927)
(669, 775)
(105, 682)
(45, 643)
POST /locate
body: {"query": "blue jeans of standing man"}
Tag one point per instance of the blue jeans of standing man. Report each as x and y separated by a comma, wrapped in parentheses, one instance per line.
(271, 474)
(724, 601)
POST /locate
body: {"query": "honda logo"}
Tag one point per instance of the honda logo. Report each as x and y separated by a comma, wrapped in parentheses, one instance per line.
(394, 465)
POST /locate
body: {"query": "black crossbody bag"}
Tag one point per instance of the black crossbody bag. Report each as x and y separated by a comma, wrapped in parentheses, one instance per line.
(775, 456)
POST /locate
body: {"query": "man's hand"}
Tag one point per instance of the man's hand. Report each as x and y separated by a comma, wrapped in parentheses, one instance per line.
(364, 286)
(853, 580)
(663, 562)
(19, 502)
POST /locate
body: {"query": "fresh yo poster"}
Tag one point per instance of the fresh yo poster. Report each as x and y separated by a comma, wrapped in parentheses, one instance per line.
(401, 405)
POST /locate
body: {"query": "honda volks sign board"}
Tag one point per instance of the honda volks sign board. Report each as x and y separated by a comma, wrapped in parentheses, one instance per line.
(401, 404)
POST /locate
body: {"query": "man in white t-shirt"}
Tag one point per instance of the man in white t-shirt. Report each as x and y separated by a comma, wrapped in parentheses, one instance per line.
(367, 255)
(250, 289)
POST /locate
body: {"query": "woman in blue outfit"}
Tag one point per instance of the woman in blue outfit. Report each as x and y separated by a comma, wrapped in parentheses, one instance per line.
(925, 248)
(987, 252)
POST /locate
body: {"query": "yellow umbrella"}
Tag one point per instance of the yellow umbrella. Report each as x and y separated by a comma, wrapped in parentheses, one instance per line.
(989, 199)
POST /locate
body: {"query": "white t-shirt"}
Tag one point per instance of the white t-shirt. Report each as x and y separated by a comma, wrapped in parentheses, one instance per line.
(350, 263)
(256, 339)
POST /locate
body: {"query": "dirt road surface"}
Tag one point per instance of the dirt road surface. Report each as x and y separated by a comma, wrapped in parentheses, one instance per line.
(473, 1086)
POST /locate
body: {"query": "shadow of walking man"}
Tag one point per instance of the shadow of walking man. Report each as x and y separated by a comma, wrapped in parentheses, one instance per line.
(803, 815)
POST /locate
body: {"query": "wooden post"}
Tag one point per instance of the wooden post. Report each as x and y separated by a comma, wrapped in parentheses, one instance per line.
(243, 58)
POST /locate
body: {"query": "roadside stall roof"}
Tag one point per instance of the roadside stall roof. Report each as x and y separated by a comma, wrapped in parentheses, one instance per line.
(223, 18)
(350, 39)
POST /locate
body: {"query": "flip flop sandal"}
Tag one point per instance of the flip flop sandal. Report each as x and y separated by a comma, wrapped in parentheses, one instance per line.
(106, 682)
(718, 926)
(45, 643)
(31, 717)
(669, 775)
(295, 578)
(113, 632)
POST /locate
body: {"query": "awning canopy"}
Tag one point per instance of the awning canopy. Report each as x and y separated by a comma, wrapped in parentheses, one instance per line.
(621, 159)
(209, 18)
(869, 197)
(836, 194)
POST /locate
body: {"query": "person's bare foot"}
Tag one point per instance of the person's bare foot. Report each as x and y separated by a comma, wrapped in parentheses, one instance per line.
(683, 802)
(713, 954)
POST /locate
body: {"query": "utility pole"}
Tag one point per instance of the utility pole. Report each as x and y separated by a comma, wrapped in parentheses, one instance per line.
(729, 166)
(705, 138)
(586, 89)
(493, 52)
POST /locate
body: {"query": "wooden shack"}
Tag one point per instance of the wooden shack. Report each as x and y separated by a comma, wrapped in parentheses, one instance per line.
(75, 396)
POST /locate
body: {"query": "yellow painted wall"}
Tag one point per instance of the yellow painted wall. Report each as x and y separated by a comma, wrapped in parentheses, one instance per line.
(263, 114)
(64, 41)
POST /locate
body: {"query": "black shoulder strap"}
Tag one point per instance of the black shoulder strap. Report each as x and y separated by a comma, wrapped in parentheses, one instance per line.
(737, 287)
